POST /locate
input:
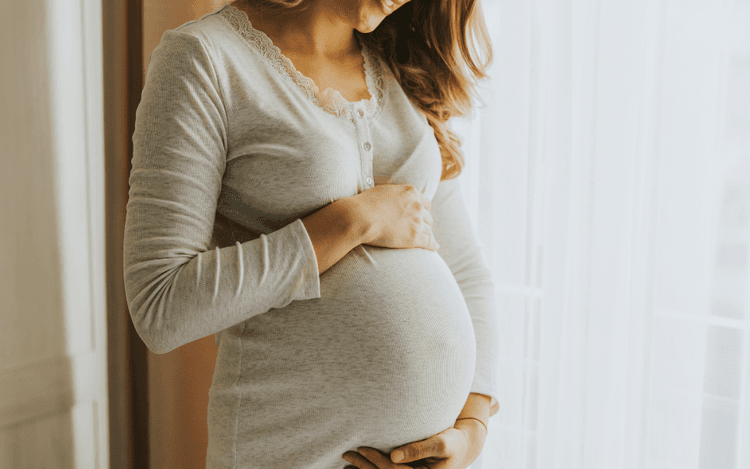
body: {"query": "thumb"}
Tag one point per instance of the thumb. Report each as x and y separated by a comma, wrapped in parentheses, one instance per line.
(434, 446)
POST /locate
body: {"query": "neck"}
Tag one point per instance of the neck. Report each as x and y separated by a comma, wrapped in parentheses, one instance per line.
(320, 32)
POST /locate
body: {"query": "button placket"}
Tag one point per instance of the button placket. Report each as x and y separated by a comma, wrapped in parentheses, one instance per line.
(363, 131)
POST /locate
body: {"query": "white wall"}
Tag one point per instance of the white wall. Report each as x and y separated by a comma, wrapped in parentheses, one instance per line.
(53, 394)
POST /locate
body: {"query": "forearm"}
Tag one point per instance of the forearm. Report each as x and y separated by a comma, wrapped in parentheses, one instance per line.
(461, 250)
(335, 230)
(477, 406)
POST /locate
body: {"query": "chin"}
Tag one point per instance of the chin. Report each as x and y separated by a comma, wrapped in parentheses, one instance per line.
(369, 23)
(365, 29)
(370, 16)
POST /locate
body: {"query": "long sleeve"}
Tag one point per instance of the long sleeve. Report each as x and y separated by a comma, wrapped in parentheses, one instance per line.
(460, 249)
(178, 289)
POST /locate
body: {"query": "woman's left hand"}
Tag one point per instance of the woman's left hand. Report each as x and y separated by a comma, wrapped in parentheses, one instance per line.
(454, 448)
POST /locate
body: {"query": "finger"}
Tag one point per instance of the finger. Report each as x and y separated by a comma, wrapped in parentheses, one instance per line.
(428, 241)
(425, 201)
(376, 457)
(359, 460)
(429, 238)
(412, 451)
(436, 446)
(427, 217)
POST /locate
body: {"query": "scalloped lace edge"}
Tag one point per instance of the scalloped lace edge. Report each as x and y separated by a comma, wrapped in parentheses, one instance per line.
(329, 100)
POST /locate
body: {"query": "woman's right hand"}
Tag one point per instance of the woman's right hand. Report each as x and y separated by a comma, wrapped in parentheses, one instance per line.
(399, 217)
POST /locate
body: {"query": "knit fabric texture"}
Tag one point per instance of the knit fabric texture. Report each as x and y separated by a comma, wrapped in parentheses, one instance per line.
(232, 148)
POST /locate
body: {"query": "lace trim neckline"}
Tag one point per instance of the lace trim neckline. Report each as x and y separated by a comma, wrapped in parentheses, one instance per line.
(329, 100)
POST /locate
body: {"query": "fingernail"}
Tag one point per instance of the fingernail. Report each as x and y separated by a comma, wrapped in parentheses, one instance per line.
(398, 456)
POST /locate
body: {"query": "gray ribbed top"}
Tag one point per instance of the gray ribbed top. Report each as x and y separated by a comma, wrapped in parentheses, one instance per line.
(232, 147)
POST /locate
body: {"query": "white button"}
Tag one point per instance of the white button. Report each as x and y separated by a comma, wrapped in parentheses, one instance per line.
(361, 113)
(369, 180)
(367, 145)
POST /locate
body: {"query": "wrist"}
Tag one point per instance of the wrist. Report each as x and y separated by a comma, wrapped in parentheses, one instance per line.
(477, 406)
(358, 221)
(471, 422)
(475, 434)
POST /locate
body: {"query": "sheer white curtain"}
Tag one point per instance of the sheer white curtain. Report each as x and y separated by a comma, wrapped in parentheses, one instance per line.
(608, 179)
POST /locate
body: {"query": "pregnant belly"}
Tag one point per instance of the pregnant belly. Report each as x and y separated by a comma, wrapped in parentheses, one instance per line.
(384, 357)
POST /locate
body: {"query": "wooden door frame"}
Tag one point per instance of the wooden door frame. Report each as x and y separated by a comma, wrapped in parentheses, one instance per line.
(122, 35)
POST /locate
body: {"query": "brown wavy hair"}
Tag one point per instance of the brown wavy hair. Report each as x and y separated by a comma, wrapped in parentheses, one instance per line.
(428, 46)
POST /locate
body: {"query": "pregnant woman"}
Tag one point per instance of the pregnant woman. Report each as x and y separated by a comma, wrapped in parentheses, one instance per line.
(293, 191)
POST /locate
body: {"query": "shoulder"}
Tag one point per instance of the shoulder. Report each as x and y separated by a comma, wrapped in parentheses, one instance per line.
(204, 36)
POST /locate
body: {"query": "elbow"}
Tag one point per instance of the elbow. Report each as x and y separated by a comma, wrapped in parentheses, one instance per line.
(151, 313)
(151, 324)
(156, 339)
(155, 344)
